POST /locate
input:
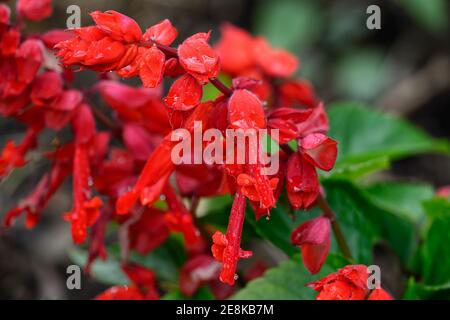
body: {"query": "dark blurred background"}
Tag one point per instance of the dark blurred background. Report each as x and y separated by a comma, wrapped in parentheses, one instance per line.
(402, 69)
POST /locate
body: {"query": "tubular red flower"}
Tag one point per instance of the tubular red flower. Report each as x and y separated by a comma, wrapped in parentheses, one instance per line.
(35, 10)
(313, 237)
(5, 14)
(184, 94)
(13, 156)
(85, 211)
(197, 271)
(226, 248)
(179, 219)
(9, 42)
(274, 62)
(198, 58)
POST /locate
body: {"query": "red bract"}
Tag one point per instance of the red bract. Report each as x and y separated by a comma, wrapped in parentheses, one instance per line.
(117, 26)
(319, 150)
(198, 58)
(46, 88)
(274, 62)
(151, 67)
(162, 33)
(245, 111)
(184, 94)
(196, 272)
(313, 237)
(34, 10)
(348, 283)
(227, 247)
(5, 13)
(302, 182)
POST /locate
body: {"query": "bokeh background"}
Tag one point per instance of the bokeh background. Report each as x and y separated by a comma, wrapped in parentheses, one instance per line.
(402, 69)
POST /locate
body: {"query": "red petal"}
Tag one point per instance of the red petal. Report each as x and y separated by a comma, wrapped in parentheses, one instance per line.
(379, 294)
(320, 150)
(314, 239)
(245, 111)
(184, 94)
(83, 124)
(117, 26)
(152, 67)
(46, 87)
(35, 10)
(302, 182)
(198, 58)
(162, 33)
(275, 62)
(68, 100)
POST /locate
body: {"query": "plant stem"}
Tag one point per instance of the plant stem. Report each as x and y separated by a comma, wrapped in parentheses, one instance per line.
(329, 213)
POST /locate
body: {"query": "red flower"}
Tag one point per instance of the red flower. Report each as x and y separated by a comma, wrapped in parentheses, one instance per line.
(46, 88)
(198, 58)
(5, 13)
(121, 293)
(53, 37)
(297, 92)
(196, 272)
(274, 62)
(235, 49)
(162, 33)
(348, 283)
(117, 26)
(227, 247)
(13, 156)
(179, 219)
(85, 211)
(319, 150)
(9, 42)
(184, 94)
(313, 237)
(37, 200)
(302, 182)
(35, 10)
(245, 111)
(149, 232)
(151, 68)
(143, 285)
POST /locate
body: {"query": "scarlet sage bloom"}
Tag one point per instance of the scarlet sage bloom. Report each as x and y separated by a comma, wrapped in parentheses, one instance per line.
(242, 54)
(34, 10)
(226, 248)
(313, 237)
(348, 283)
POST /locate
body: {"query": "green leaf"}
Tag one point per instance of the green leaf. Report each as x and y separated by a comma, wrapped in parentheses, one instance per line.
(435, 257)
(204, 293)
(432, 14)
(357, 169)
(364, 134)
(404, 199)
(353, 204)
(419, 291)
(107, 271)
(287, 281)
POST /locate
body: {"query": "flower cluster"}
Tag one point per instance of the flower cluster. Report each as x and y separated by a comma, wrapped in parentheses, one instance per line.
(349, 283)
(123, 181)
